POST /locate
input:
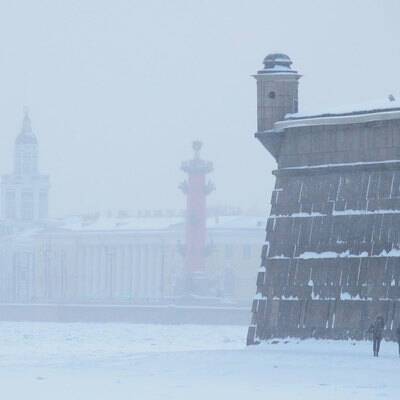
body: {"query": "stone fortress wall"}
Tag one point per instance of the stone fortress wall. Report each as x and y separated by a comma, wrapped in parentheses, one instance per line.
(331, 260)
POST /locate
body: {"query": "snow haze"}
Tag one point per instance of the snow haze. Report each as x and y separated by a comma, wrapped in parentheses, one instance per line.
(118, 90)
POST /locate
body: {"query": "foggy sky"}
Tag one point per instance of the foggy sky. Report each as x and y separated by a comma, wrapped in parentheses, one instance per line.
(117, 90)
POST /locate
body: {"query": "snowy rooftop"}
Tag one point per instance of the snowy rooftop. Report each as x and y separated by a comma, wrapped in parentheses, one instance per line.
(377, 106)
(157, 223)
(386, 109)
(119, 224)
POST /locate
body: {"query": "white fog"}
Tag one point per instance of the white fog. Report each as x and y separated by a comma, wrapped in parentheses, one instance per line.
(199, 199)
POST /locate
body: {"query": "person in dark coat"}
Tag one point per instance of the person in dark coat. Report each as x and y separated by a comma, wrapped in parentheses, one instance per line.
(398, 337)
(377, 333)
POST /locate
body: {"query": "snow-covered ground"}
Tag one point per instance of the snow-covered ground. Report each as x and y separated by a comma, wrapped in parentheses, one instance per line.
(116, 361)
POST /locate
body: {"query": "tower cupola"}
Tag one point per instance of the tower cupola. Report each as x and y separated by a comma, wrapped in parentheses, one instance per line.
(277, 62)
(26, 149)
(277, 90)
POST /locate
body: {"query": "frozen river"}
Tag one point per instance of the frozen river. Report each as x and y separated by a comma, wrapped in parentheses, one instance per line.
(120, 361)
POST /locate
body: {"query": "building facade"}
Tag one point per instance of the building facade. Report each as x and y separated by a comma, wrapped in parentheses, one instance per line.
(331, 259)
(126, 260)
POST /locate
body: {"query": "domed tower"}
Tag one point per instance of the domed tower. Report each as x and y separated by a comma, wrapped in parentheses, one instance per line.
(24, 193)
(26, 149)
(277, 90)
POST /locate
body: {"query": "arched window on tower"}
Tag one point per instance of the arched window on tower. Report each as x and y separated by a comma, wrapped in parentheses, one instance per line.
(27, 203)
(27, 163)
(295, 105)
(43, 204)
(10, 206)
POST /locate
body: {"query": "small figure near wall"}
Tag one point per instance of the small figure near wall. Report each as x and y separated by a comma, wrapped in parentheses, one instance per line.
(398, 337)
(377, 333)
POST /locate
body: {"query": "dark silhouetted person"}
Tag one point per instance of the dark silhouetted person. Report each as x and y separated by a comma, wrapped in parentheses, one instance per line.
(377, 333)
(398, 337)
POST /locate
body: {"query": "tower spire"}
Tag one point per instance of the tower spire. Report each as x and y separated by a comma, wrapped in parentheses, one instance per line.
(26, 122)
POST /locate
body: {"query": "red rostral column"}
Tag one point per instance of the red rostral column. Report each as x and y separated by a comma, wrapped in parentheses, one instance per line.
(196, 190)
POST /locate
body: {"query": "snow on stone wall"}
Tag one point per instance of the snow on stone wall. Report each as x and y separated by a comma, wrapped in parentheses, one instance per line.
(335, 222)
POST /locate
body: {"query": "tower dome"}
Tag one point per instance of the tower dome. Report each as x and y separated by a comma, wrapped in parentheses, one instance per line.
(277, 62)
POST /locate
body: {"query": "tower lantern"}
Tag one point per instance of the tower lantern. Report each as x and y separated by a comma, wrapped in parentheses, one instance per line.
(196, 190)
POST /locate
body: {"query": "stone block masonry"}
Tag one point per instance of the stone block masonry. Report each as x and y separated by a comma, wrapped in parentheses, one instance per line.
(331, 260)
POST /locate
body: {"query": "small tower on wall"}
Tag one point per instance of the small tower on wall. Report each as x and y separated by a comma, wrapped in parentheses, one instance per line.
(196, 190)
(24, 193)
(277, 90)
